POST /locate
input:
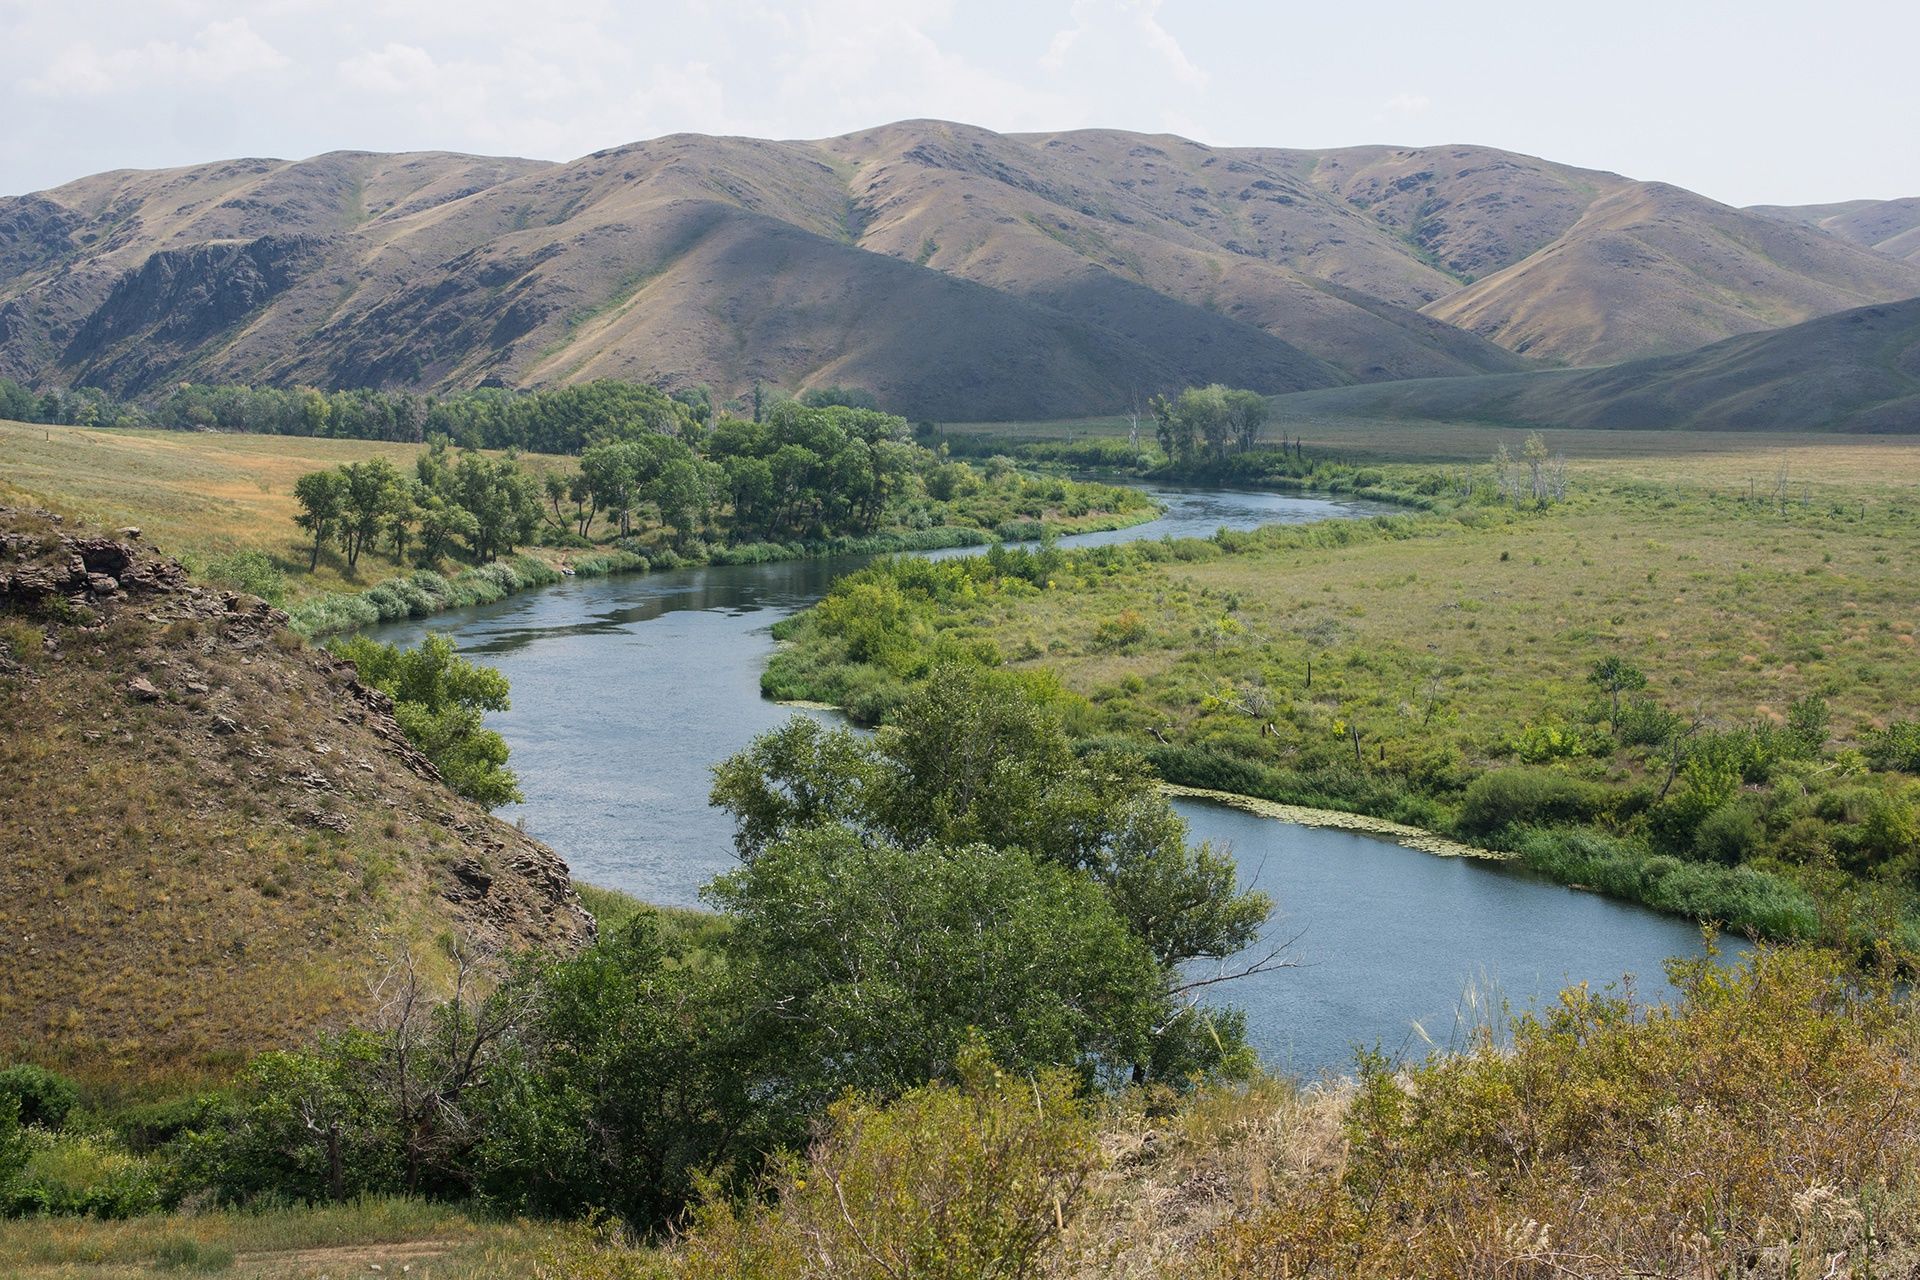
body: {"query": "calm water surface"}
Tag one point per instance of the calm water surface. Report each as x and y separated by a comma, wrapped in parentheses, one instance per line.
(627, 690)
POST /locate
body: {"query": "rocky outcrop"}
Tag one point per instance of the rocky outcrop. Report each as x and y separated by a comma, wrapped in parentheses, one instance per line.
(218, 834)
(158, 315)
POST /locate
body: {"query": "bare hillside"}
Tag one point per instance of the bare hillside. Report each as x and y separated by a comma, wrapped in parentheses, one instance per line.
(956, 272)
(1650, 269)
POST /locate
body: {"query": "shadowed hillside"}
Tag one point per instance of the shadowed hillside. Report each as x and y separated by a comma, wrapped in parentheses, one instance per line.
(955, 272)
(1857, 371)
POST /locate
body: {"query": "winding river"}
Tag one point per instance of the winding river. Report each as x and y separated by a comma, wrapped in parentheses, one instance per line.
(627, 689)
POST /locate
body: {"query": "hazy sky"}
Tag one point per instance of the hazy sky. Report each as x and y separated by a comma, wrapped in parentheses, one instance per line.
(1766, 101)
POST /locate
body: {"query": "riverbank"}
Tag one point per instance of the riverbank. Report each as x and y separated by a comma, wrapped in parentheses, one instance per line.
(424, 592)
(1339, 820)
(1437, 671)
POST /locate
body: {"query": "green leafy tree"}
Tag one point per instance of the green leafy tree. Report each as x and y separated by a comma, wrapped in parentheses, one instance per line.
(974, 758)
(877, 962)
(322, 498)
(440, 700)
(367, 502)
(638, 1071)
(1613, 676)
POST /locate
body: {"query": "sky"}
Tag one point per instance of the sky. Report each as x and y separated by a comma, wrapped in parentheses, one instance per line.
(1769, 101)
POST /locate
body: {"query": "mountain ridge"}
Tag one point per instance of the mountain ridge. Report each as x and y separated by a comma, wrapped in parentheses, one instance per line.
(951, 270)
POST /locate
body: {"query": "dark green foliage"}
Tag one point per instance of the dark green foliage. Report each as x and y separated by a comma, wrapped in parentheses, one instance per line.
(1524, 797)
(883, 960)
(40, 1097)
(1895, 747)
(636, 1071)
(1738, 897)
(440, 700)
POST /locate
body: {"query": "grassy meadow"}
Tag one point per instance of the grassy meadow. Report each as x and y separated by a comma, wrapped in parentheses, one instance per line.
(1385, 667)
(200, 494)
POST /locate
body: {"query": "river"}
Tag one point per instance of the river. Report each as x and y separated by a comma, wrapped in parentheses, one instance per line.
(626, 690)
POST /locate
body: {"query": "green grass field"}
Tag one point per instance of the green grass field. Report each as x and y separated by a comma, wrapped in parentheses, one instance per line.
(1383, 669)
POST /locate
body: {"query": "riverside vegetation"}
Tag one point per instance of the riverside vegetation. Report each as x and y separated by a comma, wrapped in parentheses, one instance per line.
(1691, 697)
(656, 484)
(939, 1023)
(938, 1028)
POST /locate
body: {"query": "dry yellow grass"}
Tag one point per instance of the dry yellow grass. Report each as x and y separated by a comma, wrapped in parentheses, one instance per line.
(196, 492)
(375, 1237)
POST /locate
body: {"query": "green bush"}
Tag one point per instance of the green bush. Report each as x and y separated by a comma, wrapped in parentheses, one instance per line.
(1525, 797)
(40, 1097)
(1729, 835)
(251, 571)
(81, 1174)
(1895, 747)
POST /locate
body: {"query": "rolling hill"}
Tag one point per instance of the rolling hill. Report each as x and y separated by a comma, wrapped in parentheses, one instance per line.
(1857, 371)
(955, 272)
(1886, 226)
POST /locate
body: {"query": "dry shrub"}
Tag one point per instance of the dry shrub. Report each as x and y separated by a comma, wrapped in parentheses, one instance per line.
(976, 1182)
(1767, 1124)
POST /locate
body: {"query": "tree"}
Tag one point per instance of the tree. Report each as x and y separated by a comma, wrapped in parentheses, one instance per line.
(637, 1073)
(439, 698)
(1613, 676)
(975, 759)
(876, 963)
(322, 498)
(1248, 411)
(366, 501)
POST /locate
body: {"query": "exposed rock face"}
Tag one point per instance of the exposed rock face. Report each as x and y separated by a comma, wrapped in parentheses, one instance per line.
(157, 315)
(214, 837)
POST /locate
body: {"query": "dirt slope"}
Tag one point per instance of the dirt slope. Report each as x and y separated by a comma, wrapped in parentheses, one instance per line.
(214, 838)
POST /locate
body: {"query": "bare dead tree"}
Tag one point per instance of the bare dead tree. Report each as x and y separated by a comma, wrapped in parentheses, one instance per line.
(438, 1050)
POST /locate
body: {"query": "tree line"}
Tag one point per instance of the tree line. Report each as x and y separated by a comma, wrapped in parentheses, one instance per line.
(802, 473)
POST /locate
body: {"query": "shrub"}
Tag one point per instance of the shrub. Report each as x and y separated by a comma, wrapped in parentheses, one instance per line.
(1729, 835)
(1515, 797)
(83, 1174)
(1895, 747)
(252, 572)
(40, 1097)
(976, 1182)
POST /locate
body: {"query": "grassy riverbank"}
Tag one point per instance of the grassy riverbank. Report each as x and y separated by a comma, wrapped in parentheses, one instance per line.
(224, 503)
(1435, 669)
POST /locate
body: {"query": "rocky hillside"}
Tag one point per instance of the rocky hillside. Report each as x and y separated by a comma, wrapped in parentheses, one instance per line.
(215, 837)
(956, 272)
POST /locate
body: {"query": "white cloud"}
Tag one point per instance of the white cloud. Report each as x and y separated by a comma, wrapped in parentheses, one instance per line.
(220, 52)
(1105, 28)
(1406, 104)
(395, 68)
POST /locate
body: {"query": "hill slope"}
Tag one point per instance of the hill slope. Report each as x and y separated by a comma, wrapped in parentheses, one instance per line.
(1886, 226)
(1651, 269)
(1856, 371)
(957, 272)
(215, 839)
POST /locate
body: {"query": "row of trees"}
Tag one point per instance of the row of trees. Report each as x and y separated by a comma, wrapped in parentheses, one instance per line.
(488, 506)
(561, 420)
(803, 472)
